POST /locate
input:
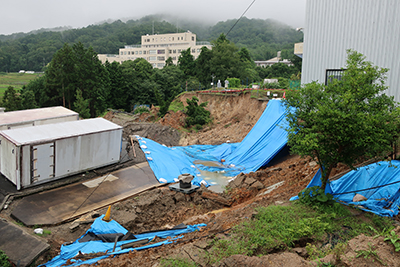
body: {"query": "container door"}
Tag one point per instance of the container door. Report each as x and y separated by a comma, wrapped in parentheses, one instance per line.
(42, 162)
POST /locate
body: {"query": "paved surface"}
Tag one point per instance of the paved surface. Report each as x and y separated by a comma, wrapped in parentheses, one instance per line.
(64, 203)
(6, 187)
(21, 247)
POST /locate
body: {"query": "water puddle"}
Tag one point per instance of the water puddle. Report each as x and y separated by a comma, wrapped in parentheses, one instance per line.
(216, 180)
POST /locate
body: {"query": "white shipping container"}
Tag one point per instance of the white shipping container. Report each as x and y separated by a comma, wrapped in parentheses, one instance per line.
(34, 117)
(34, 155)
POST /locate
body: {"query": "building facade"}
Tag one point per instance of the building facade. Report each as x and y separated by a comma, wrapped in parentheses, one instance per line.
(157, 48)
(371, 27)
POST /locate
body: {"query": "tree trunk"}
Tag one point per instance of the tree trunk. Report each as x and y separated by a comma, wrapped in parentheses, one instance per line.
(325, 176)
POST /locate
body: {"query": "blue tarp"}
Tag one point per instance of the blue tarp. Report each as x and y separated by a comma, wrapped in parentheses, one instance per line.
(101, 227)
(261, 144)
(378, 182)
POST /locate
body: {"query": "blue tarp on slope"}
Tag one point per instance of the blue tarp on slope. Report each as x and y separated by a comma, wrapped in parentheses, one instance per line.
(261, 144)
(101, 227)
(378, 182)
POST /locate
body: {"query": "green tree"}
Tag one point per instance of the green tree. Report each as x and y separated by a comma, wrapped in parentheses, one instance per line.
(344, 120)
(81, 105)
(168, 85)
(11, 99)
(203, 67)
(28, 99)
(91, 78)
(60, 78)
(225, 61)
(197, 114)
(186, 63)
(117, 98)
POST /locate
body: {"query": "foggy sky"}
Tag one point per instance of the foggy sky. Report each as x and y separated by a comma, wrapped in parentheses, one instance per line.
(28, 15)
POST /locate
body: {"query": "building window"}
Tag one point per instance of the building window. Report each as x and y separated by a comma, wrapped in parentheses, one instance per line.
(124, 52)
(161, 51)
(140, 52)
(152, 58)
(198, 50)
(172, 38)
(179, 50)
(153, 52)
(160, 58)
(144, 52)
(192, 38)
(174, 51)
(193, 51)
(160, 65)
(129, 52)
(173, 58)
(333, 74)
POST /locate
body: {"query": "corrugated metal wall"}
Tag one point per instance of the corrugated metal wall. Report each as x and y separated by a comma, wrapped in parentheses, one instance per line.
(371, 27)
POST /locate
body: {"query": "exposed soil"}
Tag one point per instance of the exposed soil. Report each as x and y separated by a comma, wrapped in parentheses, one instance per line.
(286, 175)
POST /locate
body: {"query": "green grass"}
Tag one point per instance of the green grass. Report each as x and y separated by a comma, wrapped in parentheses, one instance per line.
(176, 105)
(278, 228)
(16, 80)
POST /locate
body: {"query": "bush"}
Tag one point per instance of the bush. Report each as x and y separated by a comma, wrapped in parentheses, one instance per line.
(4, 262)
(234, 82)
(197, 114)
(141, 109)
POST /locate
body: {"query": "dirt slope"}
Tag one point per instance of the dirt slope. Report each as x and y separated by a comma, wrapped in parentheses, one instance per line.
(233, 117)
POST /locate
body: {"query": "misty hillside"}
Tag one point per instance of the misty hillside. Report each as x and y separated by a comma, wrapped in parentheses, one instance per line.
(32, 51)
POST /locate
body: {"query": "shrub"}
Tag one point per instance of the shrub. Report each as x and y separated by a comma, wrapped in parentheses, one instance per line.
(197, 114)
(4, 262)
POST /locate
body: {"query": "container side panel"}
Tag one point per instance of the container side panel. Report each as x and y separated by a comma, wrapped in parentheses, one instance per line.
(86, 152)
(42, 162)
(26, 166)
(8, 160)
(67, 156)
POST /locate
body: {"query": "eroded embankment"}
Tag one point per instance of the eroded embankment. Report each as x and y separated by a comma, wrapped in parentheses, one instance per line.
(233, 117)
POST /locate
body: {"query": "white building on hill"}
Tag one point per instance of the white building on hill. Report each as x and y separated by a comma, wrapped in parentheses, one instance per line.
(157, 48)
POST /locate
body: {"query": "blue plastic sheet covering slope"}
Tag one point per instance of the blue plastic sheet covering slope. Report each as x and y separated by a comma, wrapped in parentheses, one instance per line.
(259, 147)
(101, 227)
(378, 182)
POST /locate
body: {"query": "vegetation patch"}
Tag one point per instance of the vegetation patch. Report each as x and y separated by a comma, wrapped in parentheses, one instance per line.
(278, 228)
(177, 262)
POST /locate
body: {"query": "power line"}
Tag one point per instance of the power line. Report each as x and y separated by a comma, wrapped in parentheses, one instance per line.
(240, 17)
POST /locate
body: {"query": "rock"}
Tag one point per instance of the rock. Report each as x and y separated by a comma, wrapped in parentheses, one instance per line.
(278, 169)
(216, 198)
(249, 181)
(237, 181)
(301, 252)
(74, 226)
(179, 197)
(358, 198)
(257, 185)
(312, 164)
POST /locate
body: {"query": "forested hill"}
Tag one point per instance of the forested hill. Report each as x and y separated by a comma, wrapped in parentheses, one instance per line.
(34, 50)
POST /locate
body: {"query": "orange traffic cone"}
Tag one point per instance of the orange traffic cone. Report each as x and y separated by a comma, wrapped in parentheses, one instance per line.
(107, 217)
